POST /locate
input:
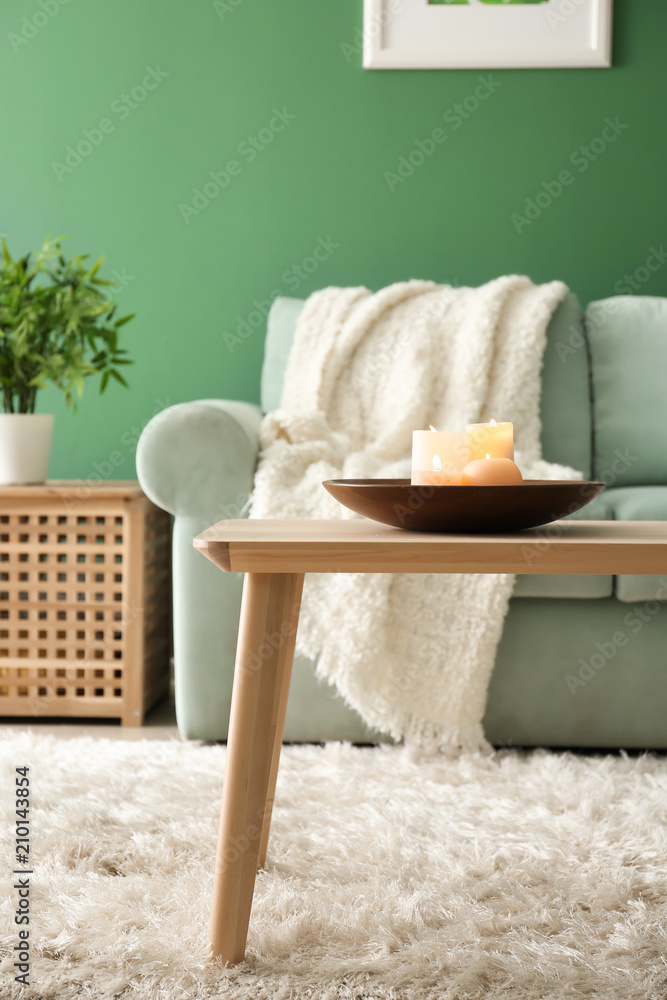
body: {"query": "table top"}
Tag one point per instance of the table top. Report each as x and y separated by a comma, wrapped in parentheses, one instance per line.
(100, 488)
(363, 546)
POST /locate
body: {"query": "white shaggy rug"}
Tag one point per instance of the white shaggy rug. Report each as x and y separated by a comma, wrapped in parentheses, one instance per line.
(520, 877)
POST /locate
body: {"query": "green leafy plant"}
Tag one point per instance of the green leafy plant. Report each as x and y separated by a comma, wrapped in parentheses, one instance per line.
(58, 326)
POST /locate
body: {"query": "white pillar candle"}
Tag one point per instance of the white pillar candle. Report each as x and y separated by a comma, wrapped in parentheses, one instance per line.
(438, 457)
(493, 439)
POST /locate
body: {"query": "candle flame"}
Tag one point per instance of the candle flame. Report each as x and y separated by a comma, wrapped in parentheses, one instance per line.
(492, 423)
(437, 464)
(488, 456)
(432, 428)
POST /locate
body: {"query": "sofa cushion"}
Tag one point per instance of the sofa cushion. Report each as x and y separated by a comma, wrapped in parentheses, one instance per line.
(639, 503)
(281, 324)
(628, 341)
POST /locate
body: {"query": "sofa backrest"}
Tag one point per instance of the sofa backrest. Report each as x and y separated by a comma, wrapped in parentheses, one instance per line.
(566, 415)
(280, 327)
(565, 408)
(628, 344)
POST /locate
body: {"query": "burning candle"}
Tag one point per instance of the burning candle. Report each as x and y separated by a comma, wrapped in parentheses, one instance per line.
(489, 471)
(493, 439)
(438, 457)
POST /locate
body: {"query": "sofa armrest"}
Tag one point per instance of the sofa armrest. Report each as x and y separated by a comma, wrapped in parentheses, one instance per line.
(198, 459)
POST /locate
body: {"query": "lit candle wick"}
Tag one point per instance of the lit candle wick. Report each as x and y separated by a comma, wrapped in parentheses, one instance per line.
(489, 457)
(431, 427)
(437, 464)
(492, 423)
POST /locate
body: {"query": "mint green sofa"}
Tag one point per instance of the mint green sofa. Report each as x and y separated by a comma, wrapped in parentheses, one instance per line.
(583, 660)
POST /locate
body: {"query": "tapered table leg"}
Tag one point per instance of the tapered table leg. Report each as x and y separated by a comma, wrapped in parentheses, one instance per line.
(269, 614)
(280, 725)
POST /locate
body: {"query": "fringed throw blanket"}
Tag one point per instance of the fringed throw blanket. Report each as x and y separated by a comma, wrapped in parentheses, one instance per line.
(411, 653)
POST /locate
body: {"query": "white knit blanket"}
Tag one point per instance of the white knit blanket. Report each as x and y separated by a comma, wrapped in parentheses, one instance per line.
(412, 653)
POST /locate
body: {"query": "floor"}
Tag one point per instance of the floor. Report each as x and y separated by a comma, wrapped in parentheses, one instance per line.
(159, 724)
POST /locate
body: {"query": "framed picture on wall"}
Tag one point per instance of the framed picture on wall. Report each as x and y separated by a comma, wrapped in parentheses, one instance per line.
(486, 34)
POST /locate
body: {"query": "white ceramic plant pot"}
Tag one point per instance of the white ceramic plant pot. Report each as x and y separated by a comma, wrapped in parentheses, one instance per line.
(25, 444)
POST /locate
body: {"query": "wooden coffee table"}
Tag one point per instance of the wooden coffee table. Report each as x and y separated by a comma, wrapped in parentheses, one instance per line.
(275, 555)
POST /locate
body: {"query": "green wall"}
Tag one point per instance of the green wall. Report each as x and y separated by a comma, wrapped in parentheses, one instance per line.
(322, 177)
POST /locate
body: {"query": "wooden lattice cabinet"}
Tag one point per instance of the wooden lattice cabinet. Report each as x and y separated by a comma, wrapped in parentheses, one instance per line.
(84, 601)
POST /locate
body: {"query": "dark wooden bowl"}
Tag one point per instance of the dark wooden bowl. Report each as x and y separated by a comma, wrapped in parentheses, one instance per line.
(477, 509)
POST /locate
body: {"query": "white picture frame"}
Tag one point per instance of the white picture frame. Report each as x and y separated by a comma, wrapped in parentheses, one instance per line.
(416, 34)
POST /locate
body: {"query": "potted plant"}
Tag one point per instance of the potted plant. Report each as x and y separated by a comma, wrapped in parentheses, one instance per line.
(58, 326)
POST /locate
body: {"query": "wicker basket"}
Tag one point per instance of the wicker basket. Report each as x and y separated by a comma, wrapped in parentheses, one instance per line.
(84, 601)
